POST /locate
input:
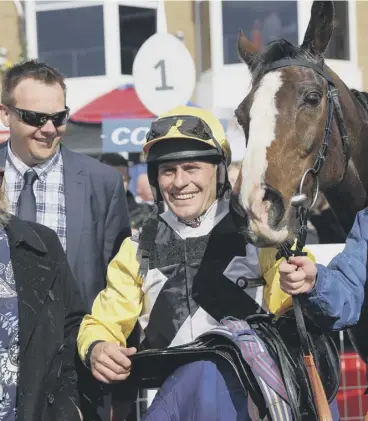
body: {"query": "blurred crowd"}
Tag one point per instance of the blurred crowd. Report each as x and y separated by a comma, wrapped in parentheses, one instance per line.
(140, 204)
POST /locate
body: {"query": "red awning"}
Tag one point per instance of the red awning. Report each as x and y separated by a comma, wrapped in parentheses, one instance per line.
(121, 102)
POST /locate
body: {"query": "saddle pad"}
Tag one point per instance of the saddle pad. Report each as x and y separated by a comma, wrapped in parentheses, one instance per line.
(282, 342)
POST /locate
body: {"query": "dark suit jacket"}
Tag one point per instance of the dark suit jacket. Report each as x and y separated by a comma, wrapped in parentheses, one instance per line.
(50, 312)
(96, 216)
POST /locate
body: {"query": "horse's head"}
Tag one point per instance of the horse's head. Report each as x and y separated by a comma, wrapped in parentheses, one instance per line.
(284, 118)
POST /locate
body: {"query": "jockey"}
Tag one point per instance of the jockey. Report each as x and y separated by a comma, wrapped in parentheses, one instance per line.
(187, 253)
(189, 267)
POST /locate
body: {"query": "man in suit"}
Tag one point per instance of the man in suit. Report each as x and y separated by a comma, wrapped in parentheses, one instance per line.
(82, 200)
(40, 312)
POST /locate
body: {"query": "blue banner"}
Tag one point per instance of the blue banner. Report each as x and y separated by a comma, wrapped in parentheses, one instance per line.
(124, 135)
(127, 135)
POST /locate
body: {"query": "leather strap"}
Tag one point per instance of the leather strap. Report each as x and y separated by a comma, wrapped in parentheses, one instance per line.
(320, 399)
(286, 62)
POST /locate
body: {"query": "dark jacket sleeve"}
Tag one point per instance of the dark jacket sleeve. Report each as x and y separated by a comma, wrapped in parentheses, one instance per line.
(117, 223)
(67, 395)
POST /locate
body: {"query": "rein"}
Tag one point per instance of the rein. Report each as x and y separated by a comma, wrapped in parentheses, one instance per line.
(333, 109)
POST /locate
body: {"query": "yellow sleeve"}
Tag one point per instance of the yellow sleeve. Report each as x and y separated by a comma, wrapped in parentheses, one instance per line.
(116, 308)
(276, 300)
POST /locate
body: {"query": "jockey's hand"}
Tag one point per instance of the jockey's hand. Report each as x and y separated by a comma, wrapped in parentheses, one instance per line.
(110, 362)
(297, 275)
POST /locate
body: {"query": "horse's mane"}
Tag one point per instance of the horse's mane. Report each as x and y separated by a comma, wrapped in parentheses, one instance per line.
(362, 97)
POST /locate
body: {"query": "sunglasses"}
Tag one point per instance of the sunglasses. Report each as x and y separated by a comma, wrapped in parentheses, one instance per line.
(190, 126)
(35, 119)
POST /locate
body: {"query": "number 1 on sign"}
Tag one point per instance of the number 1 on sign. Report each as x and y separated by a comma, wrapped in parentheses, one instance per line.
(164, 86)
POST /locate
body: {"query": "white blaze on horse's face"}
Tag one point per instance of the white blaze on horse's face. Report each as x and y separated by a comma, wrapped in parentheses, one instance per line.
(262, 132)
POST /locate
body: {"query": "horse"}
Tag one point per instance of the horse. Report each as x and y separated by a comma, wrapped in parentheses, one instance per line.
(306, 132)
(295, 144)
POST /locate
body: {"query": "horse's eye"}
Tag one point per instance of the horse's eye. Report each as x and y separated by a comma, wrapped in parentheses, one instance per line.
(313, 99)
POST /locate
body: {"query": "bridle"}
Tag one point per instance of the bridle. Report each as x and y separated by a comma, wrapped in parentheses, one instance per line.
(333, 109)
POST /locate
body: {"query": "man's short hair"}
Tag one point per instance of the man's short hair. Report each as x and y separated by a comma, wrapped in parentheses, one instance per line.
(31, 69)
(114, 160)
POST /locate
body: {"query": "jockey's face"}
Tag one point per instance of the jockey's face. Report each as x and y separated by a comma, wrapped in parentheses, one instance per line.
(188, 187)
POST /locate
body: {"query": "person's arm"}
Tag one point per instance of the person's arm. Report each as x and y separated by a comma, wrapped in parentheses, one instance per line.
(333, 294)
(117, 223)
(114, 314)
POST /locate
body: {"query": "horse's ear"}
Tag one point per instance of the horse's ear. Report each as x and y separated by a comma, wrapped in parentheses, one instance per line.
(246, 50)
(320, 27)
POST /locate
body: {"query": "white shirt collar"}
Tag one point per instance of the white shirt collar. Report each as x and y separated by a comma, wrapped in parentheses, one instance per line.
(211, 218)
(41, 169)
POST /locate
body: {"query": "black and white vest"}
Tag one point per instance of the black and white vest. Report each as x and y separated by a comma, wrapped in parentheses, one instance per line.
(196, 277)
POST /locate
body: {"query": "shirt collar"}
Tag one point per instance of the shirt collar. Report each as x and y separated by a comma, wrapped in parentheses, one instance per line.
(217, 211)
(41, 169)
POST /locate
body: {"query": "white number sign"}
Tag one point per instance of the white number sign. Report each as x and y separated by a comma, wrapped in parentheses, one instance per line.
(164, 73)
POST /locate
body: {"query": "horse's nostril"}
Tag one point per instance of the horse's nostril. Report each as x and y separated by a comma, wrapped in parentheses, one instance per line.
(277, 208)
(272, 195)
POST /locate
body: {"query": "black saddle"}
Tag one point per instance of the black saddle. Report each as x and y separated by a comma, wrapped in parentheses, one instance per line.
(151, 367)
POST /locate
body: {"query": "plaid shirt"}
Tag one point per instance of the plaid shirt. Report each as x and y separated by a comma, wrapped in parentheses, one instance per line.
(48, 190)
